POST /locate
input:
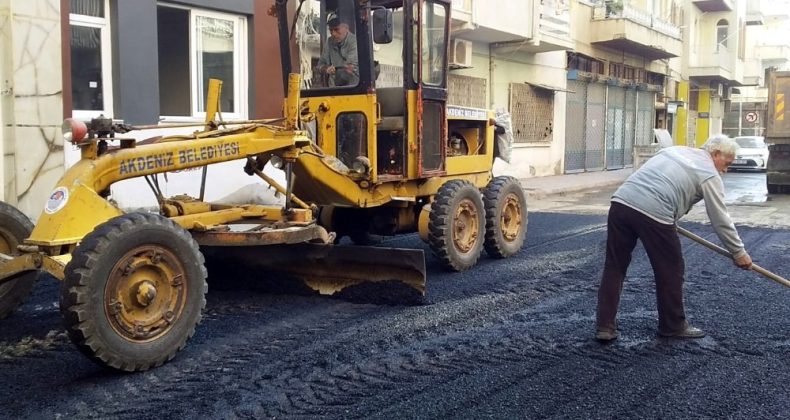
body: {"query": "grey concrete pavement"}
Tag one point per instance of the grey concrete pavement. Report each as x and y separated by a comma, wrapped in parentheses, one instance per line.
(541, 187)
(589, 193)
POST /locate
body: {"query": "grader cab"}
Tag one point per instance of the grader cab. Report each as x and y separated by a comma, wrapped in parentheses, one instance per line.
(362, 156)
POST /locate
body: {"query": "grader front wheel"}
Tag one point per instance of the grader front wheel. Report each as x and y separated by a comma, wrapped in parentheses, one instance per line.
(456, 225)
(506, 216)
(134, 292)
(14, 228)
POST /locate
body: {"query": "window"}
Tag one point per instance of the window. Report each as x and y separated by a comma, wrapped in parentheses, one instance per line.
(532, 110)
(581, 62)
(654, 78)
(195, 46)
(629, 73)
(693, 99)
(352, 134)
(722, 28)
(616, 70)
(326, 37)
(433, 43)
(596, 66)
(91, 84)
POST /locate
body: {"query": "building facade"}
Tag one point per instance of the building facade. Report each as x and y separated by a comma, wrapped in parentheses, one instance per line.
(767, 46)
(585, 81)
(622, 65)
(716, 63)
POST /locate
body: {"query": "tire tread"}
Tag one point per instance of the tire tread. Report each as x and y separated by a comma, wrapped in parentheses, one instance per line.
(74, 290)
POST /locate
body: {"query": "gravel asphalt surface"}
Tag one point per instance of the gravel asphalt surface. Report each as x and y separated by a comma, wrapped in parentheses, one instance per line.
(507, 339)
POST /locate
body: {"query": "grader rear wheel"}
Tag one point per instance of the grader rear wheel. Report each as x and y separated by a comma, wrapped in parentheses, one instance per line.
(456, 225)
(14, 228)
(506, 216)
(134, 292)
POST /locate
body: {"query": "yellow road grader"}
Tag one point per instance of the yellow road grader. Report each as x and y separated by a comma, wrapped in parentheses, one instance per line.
(359, 160)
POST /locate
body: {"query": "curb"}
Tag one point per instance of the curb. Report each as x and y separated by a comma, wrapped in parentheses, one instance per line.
(539, 193)
(567, 187)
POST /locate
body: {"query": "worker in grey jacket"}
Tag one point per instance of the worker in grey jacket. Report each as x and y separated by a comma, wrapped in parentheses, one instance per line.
(339, 61)
(646, 207)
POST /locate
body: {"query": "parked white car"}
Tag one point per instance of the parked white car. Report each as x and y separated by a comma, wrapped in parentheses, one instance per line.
(752, 154)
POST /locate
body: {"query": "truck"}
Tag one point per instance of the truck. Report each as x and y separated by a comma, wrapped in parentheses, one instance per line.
(777, 132)
(361, 157)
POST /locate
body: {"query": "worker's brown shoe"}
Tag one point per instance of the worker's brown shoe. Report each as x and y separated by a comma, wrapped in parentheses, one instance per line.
(689, 332)
(605, 336)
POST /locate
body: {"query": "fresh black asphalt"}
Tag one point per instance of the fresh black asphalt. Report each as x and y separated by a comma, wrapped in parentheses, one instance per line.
(507, 339)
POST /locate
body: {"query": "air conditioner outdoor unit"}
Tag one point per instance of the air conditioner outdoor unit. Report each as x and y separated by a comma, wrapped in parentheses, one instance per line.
(460, 54)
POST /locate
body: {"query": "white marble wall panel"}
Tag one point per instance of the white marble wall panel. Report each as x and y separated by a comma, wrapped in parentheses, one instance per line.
(42, 9)
(33, 146)
(6, 103)
(37, 57)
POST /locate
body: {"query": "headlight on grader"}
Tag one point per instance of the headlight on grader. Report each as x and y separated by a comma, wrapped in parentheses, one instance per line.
(361, 165)
(277, 162)
(74, 131)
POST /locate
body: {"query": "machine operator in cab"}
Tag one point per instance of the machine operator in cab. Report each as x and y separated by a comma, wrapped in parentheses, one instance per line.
(339, 62)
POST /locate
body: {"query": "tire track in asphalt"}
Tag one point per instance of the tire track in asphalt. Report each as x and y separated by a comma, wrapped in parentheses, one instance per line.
(175, 380)
(318, 357)
(391, 368)
(195, 379)
(465, 353)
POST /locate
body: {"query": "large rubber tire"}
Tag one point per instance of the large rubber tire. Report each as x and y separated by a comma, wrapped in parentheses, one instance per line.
(506, 216)
(14, 228)
(110, 311)
(456, 227)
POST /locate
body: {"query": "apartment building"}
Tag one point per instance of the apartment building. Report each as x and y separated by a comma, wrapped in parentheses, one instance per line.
(620, 74)
(585, 81)
(767, 46)
(715, 52)
(640, 64)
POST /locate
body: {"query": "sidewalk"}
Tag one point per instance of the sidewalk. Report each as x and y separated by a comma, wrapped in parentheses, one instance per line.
(540, 187)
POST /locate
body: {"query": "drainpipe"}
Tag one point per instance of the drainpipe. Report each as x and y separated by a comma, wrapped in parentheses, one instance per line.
(606, 128)
(491, 75)
(740, 115)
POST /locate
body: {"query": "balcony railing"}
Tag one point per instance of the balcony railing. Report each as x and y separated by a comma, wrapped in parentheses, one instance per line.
(752, 72)
(639, 17)
(555, 18)
(462, 5)
(754, 12)
(775, 52)
(462, 14)
(713, 59)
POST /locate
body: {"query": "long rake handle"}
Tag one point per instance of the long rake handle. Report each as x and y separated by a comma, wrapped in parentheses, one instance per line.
(775, 277)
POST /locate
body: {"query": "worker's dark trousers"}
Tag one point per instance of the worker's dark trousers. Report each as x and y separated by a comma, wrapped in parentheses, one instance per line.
(625, 226)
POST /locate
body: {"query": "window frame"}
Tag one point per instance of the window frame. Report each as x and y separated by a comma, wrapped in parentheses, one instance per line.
(103, 24)
(722, 43)
(240, 63)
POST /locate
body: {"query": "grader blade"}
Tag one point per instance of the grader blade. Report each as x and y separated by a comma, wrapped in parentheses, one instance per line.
(368, 274)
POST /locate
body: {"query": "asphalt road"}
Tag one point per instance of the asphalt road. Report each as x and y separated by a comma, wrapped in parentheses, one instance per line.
(508, 339)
